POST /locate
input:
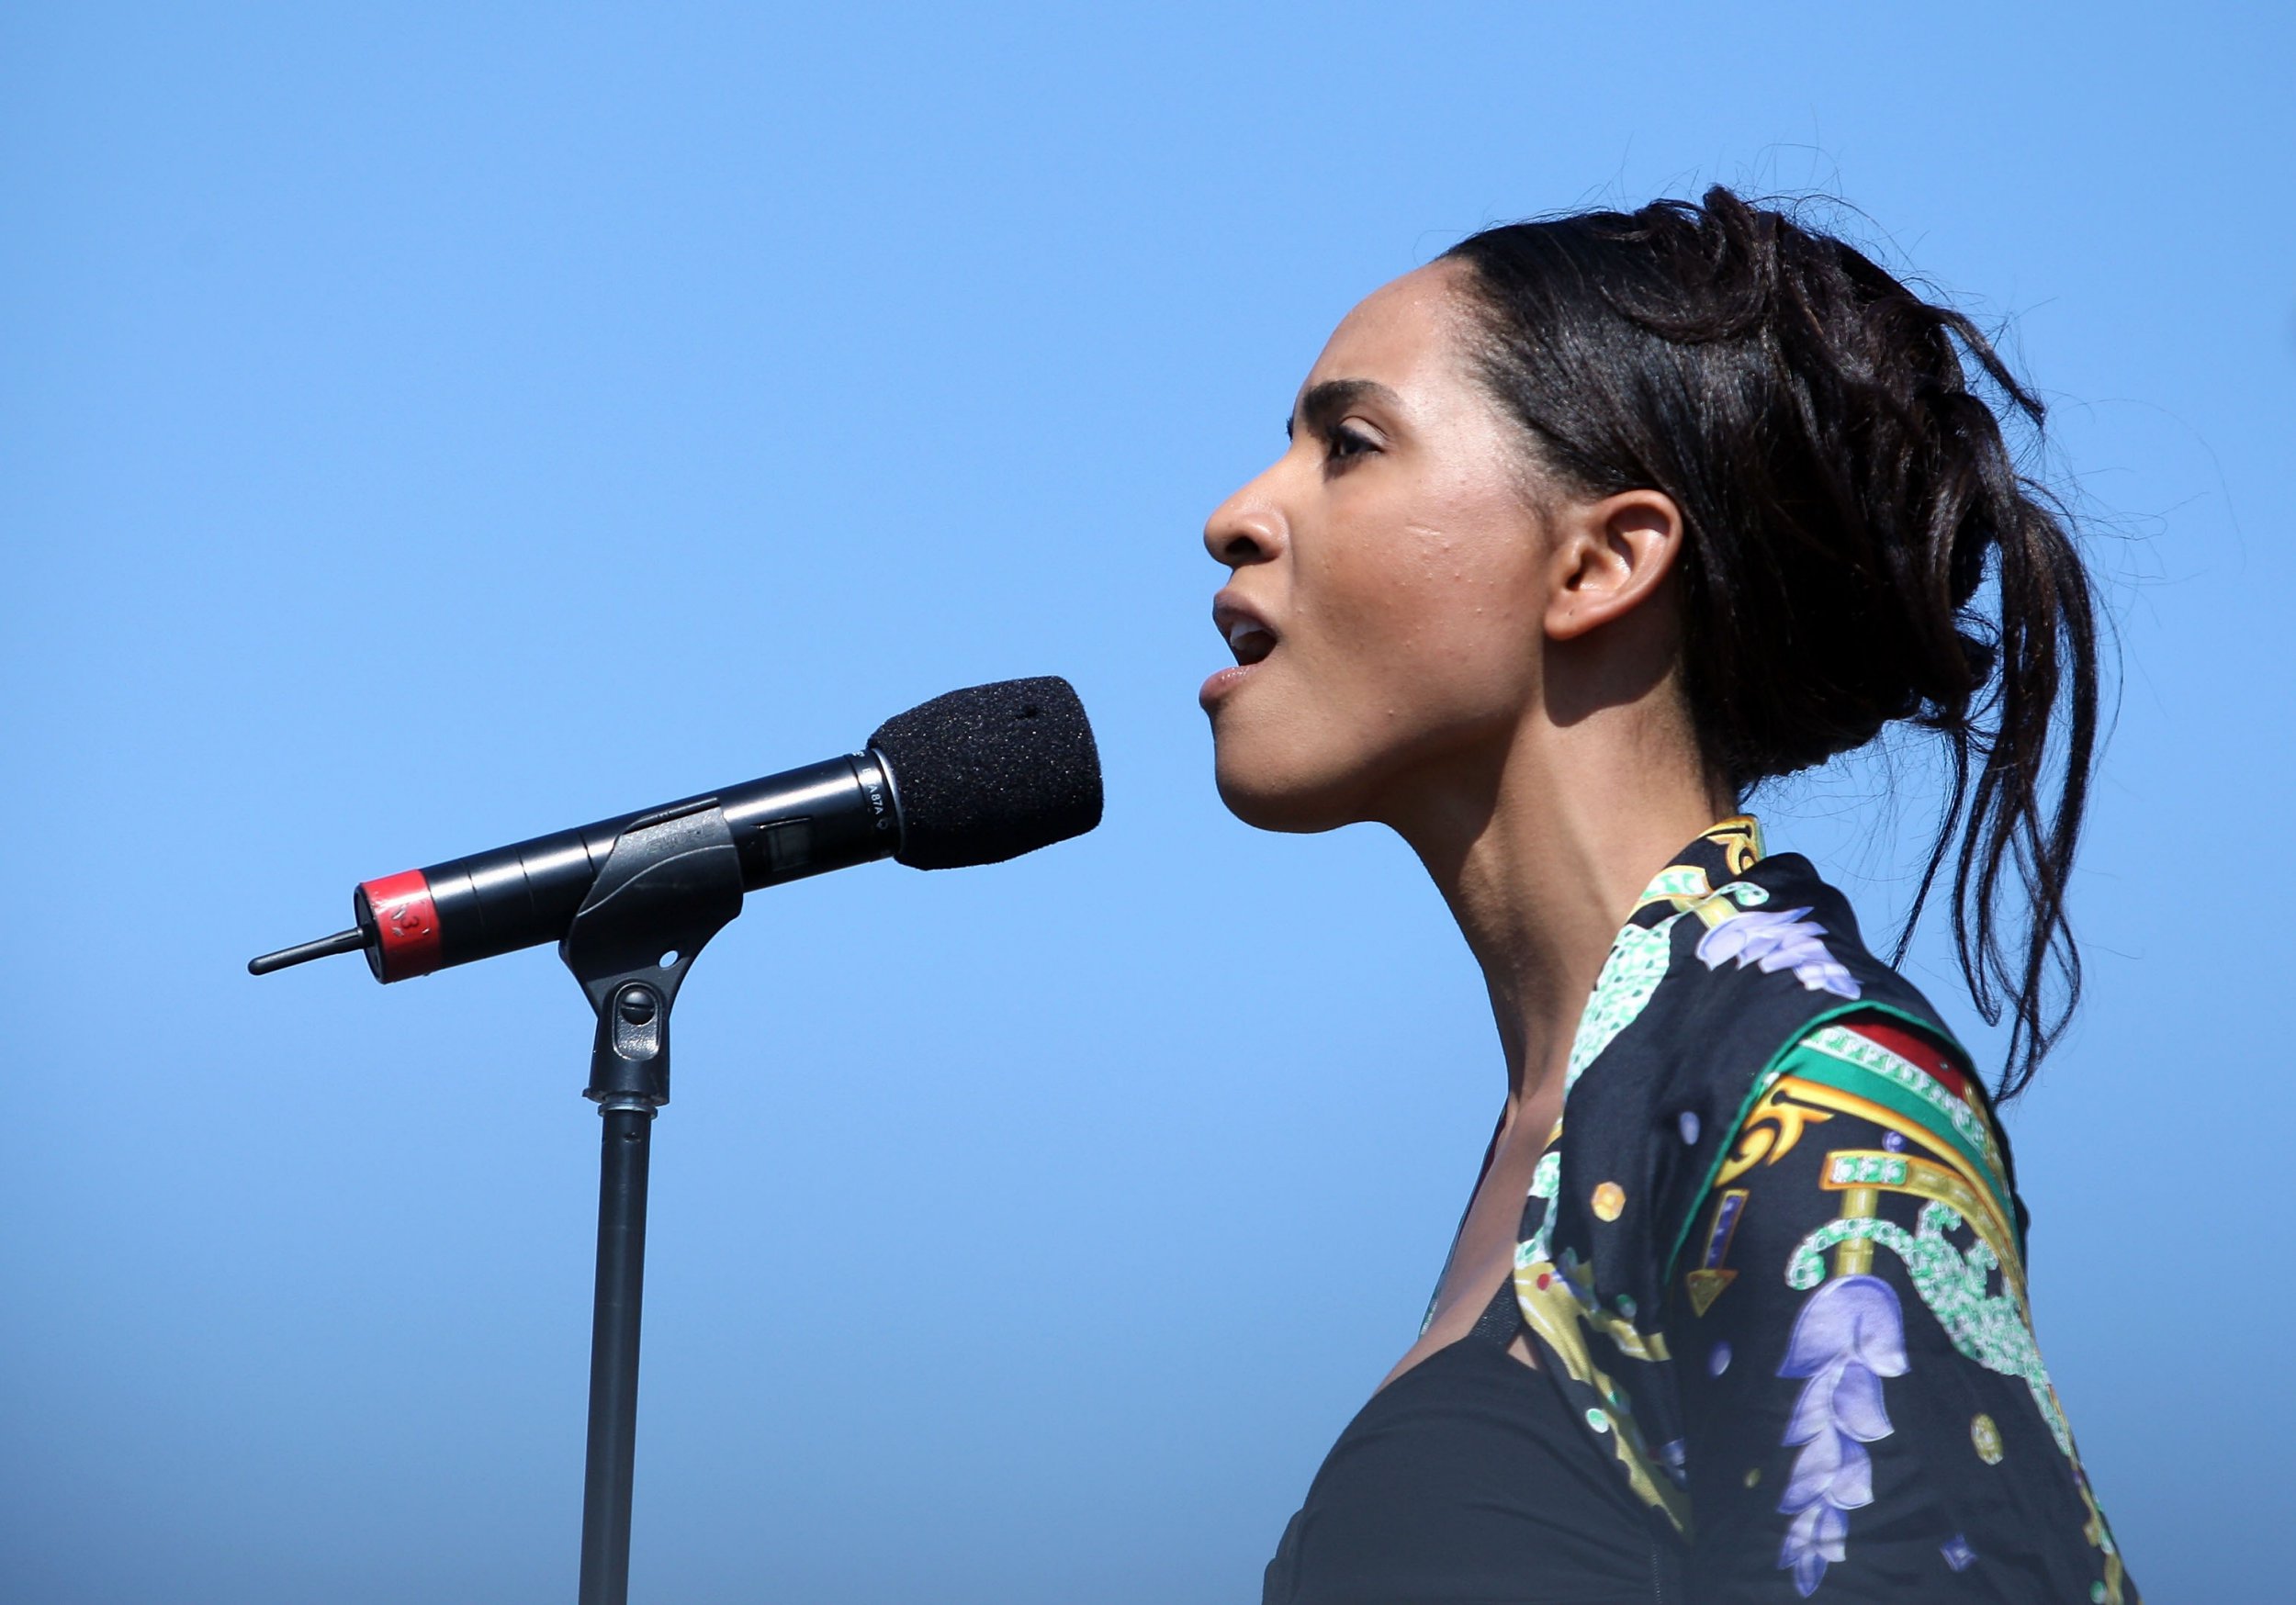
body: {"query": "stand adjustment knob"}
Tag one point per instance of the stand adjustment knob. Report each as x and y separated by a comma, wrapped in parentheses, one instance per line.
(636, 1022)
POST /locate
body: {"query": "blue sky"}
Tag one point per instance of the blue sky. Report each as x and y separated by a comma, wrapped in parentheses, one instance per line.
(421, 427)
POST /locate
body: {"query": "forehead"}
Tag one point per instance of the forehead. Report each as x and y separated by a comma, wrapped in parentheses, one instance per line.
(1403, 332)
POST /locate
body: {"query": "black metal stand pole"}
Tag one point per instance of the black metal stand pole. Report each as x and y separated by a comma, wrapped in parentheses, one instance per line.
(671, 883)
(608, 1470)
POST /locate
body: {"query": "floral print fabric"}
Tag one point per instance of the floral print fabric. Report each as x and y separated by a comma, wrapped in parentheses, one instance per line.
(1873, 1420)
(1774, 1258)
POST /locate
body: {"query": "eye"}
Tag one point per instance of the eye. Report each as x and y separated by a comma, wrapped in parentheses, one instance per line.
(1343, 442)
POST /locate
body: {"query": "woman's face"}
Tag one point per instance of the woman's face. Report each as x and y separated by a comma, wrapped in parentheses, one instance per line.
(1387, 577)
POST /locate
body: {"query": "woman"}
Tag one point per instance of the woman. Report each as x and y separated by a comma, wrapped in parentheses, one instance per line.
(1585, 530)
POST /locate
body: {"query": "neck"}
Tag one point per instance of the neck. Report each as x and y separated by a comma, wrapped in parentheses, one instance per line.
(1541, 853)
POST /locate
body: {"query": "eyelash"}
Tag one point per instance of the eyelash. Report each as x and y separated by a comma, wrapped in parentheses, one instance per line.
(1342, 445)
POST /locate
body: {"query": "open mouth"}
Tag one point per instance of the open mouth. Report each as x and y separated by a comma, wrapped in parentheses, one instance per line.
(1250, 640)
(1250, 637)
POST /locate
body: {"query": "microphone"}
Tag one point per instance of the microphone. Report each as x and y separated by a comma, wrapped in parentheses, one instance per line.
(975, 777)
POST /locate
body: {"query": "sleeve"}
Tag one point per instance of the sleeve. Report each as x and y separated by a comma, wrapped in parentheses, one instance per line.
(1866, 1415)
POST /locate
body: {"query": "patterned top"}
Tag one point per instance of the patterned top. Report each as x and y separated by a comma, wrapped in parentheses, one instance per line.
(1774, 1257)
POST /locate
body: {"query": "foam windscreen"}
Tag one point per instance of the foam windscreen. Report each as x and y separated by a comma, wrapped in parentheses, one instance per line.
(990, 772)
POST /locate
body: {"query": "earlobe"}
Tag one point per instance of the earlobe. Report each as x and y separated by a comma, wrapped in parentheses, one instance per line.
(1614, 555)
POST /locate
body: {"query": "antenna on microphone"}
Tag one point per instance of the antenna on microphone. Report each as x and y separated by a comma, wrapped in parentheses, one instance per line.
(349, 941)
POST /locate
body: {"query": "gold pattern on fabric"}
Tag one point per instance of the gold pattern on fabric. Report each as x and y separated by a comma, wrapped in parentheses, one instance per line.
(1628, 1339)
(1769, 1133)
(1857, 1170)
(1705, 1287)
(1739, 837)
(1981, 1212)
(1986, 1438)
(1854, 1256)
(2107, 1592)
(1706, 1281)
(1560, 1307)
(1554, 1314)
(1681, 886)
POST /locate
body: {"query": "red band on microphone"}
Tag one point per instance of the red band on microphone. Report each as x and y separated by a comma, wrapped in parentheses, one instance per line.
(405, 923)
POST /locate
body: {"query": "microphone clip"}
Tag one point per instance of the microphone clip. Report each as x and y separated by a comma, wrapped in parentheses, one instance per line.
(672, 882)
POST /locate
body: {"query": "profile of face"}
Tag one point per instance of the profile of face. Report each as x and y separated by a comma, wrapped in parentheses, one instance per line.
(1399, 573)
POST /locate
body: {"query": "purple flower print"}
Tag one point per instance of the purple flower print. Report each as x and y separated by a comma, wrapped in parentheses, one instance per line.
(1775, 939)
(1849, 1334)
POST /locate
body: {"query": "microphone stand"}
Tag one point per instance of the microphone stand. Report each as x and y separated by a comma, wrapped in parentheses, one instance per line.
(672, 882)
(992, 772)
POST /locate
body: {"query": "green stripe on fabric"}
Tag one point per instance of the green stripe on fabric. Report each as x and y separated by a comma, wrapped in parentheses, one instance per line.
(1845, 1044)
(1845, 1078)
(1912, 1093)
(1753, 1095)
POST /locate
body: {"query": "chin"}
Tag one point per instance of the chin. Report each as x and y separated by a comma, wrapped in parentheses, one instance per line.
(1291, 797)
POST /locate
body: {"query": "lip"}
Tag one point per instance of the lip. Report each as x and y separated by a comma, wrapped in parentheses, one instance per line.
(1220, 683)
(1229, 612)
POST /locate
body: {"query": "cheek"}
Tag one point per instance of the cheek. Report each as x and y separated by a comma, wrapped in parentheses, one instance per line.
(1409, 610)
(1394, 662)
(1429, 617)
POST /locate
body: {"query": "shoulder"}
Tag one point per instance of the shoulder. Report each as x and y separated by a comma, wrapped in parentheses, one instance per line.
(1902, 1110)
(1746, 975)
(1853, 1302)
(1710, 983)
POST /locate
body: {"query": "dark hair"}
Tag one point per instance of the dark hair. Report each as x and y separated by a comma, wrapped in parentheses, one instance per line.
(1859, 546)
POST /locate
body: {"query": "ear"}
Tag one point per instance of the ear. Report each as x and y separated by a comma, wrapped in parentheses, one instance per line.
(1611, 556)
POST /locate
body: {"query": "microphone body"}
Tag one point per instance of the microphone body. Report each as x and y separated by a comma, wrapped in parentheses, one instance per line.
(827, 815)
(975, 777)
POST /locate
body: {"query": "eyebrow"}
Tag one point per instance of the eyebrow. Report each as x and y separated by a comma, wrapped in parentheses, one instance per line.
(1323, 404)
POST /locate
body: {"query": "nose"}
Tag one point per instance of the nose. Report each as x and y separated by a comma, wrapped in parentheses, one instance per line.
(1247, 528)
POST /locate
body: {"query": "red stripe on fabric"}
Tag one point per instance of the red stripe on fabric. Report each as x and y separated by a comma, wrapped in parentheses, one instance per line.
(1917, 1050)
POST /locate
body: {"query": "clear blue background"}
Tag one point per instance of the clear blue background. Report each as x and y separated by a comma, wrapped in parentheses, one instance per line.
(420, 428)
